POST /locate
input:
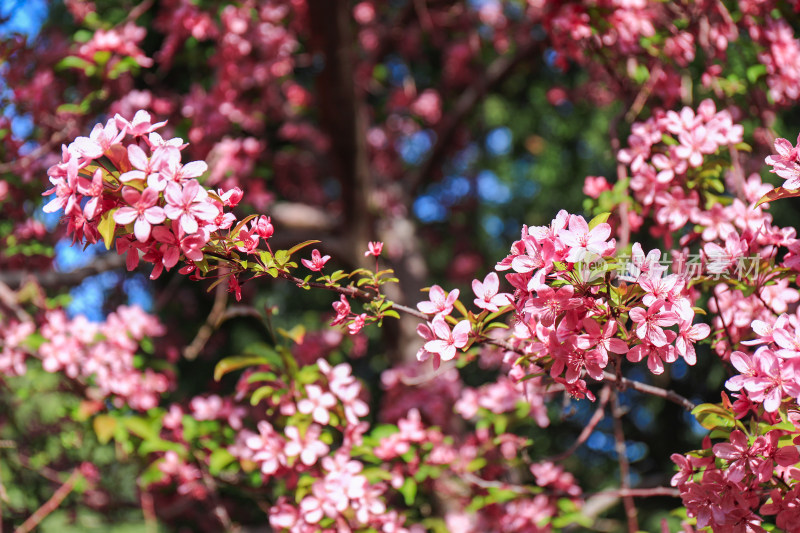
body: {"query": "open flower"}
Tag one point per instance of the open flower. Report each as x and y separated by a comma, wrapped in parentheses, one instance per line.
(317, 261)
(141, 210)
(446, 341)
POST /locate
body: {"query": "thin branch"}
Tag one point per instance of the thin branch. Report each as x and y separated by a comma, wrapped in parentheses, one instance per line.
(212, 322)
(486, 484)
(605, 394)
(51, 504)
(638, 493)
(652, 390)
(624, 466)
(8, 299)
(149, 511)
(497, 71)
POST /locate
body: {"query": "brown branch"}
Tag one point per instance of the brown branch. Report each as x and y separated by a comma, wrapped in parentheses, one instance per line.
(652, 390)
(497, 71)
(624, 466)
(212, 322)
(51, 504)
(638, 493)
(605, 394)
(8, 299)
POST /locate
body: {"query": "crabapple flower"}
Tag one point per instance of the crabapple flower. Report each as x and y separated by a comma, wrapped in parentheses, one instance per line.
(649, 323)
(439, 303)
(446, 341)
(264, 227)
(317, 404)
(586, 243)
(486, 292)
(687, 336)
(342, 308)
(317, 261)
(187, 204)
(786, 163)
(375, 248)
(141, 210)
(601, 340)
(308, 447)
(140, 125)
(550, 303)
(357, 324)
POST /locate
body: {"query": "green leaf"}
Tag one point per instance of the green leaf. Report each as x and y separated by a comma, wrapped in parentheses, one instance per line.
(599, 219)
(75, 62)
(392, 313)
(229, 364)
(460, 306)
(712, 416)
(261, 393)
(241, 224)
(777, 194)
(104, 427)
(756, 71)
(409, 491)
(261, 376)
(300, 246)
(107, 226)
(219, 459)
(141, 427)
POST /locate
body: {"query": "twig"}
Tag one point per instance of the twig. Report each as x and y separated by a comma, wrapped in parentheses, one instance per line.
(624, 466)
(486, 484)
(652, 390)
(643, 94)
(212, 322)
(149, 511)
(8, 299)
(638, 493)
(219, 510)
(497, 71)
(722, 319)
(51, 504)
(605, 394)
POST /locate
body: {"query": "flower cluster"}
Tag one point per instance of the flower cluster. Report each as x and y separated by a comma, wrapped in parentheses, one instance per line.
(723, 489)
(104, 354)
(146, 194)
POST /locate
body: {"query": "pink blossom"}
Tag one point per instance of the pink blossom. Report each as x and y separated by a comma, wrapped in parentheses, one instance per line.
(317, 261)
(264, 227)
(486, 293)
(357, 324)
(342, 308)
(786, 163)
(187, 204)
(447, 341)
(439, 303)
(593, 186)
(375, 248)
(140, 125)
(308, 447)
(317, 403)
(585, 243)
(141, 210)
(687, 336)
(550, 303)
(650, 321)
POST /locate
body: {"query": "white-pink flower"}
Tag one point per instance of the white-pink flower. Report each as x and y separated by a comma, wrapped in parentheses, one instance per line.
(447, 341)
(141, 210)
(487, 295)
(187, 204)
(440, 302)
